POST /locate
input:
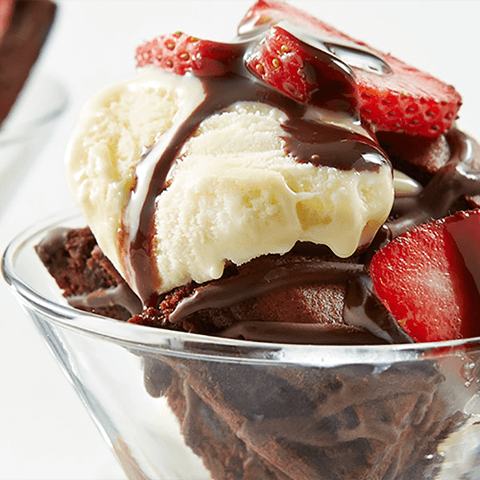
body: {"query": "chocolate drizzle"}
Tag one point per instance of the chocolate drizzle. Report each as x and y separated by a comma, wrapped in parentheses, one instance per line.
(455, 179)
(237, 289)
(329, 146)
(366, 320)
(120, 294)
(308, 138)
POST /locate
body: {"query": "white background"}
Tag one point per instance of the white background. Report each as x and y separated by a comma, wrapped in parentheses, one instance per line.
(44, 431)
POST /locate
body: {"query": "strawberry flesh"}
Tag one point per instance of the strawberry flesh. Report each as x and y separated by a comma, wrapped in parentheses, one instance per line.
(429, 278)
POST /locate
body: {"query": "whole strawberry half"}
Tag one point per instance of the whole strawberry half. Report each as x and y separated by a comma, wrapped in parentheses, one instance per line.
(429, 278)
(398, 98)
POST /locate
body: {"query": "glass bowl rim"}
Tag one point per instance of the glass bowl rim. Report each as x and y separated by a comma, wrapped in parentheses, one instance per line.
(10, 135)
(186, 344)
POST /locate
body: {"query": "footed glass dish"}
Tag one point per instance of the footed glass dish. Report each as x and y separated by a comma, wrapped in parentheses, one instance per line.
(180, 406)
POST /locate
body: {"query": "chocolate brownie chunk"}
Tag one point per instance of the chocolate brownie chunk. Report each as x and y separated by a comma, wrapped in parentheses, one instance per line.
(20, 47)
(88, 279)
(308, 423)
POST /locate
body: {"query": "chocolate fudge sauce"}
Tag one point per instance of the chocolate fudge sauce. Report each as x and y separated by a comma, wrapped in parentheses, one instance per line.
(367, 320)
(307, 137)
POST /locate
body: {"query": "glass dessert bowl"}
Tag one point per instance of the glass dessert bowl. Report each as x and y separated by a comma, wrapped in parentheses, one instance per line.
(176, 405)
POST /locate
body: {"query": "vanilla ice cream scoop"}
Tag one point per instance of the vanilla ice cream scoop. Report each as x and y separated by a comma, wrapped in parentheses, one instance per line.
(234, 192)
(106, 146)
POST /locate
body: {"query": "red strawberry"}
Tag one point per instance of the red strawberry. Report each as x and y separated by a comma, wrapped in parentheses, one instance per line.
(180, 53)
(402, 100)
(265, 13)
(298, 70)
(429, 278)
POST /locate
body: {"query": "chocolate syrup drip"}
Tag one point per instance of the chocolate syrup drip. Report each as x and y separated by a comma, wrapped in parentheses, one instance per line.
(308, 140)
(230, 291)
(329, 146)
(363, 309)
(120, 295)
(364, 314)
(452, 181)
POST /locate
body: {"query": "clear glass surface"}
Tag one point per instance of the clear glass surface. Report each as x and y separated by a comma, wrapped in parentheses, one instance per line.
(182, 406)
(26, 129)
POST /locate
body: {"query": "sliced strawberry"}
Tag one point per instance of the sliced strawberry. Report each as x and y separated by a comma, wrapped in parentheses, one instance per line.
(301, 71)
(265, 13)
(180, 53)
(429, 278)
(279, 60)
(402, 99)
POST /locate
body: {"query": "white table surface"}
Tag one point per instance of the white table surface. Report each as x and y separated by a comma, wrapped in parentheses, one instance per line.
(45, 433)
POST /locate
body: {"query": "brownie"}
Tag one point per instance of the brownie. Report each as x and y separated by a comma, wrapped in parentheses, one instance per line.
(256, 422)
(86, 276)
(20, 47)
